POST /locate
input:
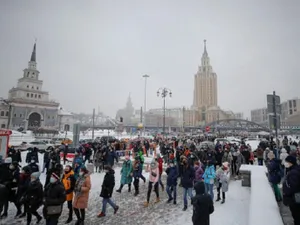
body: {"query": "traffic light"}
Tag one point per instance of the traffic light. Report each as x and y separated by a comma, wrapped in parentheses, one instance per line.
(121, 119)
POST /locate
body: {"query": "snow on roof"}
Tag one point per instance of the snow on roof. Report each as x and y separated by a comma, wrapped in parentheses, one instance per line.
(63, 112)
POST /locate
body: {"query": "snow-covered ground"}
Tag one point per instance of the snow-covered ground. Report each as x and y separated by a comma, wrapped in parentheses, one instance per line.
(233, 212)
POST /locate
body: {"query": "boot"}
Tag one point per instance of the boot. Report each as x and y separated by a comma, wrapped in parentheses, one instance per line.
(157, 200)
(223, 201)
(174, 202)
(116, 209)
(218, 198)
(184, 208)
(70, 218)
(78, 222)
(169, 200)
(129, 187)
(39, 219)
(120, 189)
(22, 215)
(102, 214)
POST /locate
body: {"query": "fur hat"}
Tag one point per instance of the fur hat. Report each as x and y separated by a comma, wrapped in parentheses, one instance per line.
(291, 159)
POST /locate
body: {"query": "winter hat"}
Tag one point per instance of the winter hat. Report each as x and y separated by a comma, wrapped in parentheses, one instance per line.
(8, 160)
(54, 175)
(36, 175)
(225, 165)
(291, 159)
(271, 155)
(153, 164)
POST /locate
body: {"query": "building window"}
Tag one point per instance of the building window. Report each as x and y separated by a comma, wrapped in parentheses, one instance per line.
(290, 104)
(32, 87)
(31, 95)
(294, 103)
(2, 125)
(2, 113)
(21, 115)
(37, 88)
(6, 114)
(48, 117)
(27, 86)
(39, 96)
(35, 95)
(27, 95)
(15, 115)
(291, 111)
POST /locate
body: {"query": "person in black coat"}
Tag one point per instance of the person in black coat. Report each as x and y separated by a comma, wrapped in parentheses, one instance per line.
(291, 186)
(6, 179)
(203, 205)
(54, 198)
(23, 184)
(33, 197)
(187, 181)
(33, 166)
(32, 154)
(107, 190)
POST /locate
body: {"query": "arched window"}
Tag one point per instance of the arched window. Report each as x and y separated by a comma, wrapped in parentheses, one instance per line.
(2, 113)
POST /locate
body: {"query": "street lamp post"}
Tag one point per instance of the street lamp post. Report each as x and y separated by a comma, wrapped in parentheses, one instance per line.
(164, 92)
(145, 100)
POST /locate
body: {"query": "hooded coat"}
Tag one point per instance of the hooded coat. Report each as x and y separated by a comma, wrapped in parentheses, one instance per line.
(108, 184)
(126, 172)
(154, 172)
(203, 205)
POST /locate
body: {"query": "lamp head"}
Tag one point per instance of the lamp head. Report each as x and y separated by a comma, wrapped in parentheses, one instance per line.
(157, 93)
(170, 94)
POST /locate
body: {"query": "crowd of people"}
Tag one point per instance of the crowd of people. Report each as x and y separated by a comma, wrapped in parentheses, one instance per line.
(184, 163)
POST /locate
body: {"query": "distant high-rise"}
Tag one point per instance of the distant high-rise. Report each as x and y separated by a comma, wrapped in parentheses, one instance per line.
(205, 85)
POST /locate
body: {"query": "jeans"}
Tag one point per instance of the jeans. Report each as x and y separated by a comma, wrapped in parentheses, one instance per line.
(209, 189)
(170, 190)
(260, 162)
(187, 191)
(104, 203)
(160, 182)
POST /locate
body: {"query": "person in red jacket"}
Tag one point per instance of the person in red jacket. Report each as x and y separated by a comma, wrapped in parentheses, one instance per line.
(160, 167)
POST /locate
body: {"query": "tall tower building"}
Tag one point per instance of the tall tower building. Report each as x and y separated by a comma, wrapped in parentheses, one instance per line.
(205, 85)
(31, 106)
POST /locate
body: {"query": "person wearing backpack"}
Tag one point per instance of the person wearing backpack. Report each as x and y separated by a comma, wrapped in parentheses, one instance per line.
(291, 188)
(274, 174)
(203, 205)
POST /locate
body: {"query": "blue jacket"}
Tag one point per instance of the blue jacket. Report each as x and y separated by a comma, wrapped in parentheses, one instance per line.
(137, 169)
(274, 172)
(172, 176)
(209, 174)
(188, 177)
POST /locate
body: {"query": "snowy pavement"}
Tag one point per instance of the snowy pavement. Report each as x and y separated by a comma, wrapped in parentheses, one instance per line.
(233, 212)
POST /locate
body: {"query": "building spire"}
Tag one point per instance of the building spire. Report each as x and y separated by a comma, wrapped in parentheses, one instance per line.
(205, 51)
(33, 54)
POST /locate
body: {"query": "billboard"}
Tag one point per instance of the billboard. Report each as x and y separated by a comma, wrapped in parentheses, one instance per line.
(270, 104)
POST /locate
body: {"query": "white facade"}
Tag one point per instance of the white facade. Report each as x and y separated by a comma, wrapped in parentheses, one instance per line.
(65, 120)
(260, 116)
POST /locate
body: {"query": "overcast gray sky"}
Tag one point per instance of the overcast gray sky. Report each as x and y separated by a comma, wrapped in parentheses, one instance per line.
(93, 53)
